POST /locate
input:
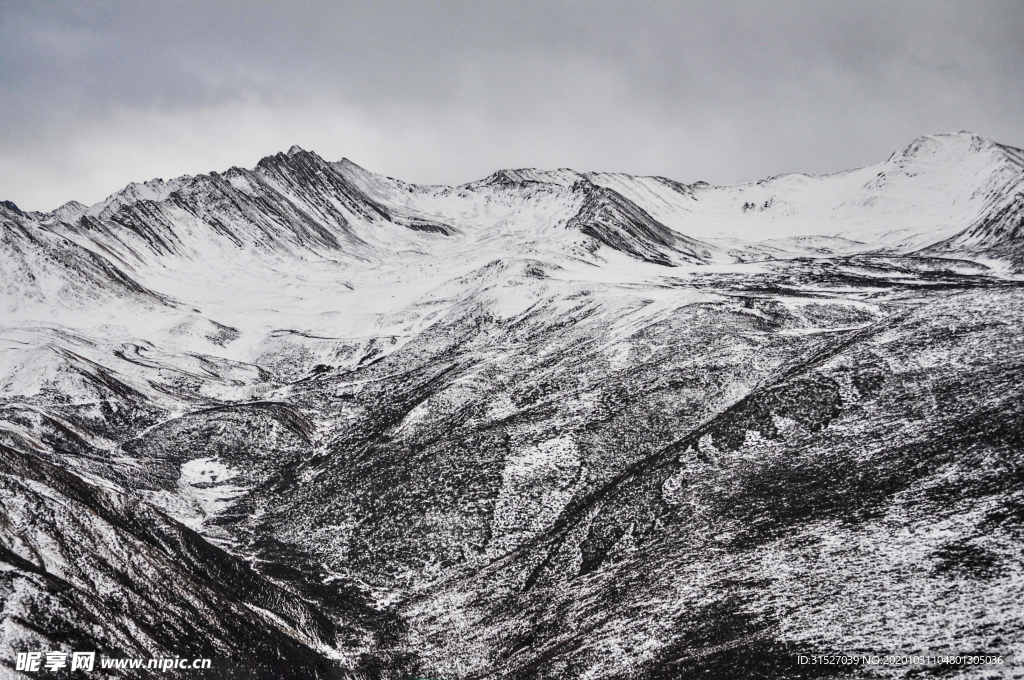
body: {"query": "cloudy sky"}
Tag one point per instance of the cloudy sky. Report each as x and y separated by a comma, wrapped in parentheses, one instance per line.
(95, 95)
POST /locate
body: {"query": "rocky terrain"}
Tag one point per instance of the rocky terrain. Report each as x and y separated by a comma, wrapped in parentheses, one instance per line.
(312, 422)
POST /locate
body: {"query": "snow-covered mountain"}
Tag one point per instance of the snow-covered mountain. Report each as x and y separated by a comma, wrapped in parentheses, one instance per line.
(310, 421)
(932, 191)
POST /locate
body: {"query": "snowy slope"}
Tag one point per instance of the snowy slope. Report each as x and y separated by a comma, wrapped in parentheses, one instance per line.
(931, 190)
(45, 275)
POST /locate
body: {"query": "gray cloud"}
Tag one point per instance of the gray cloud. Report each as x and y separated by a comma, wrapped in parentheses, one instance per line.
(99, 94)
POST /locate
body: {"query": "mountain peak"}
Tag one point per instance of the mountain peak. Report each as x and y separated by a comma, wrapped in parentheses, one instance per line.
(521, 176)
(945, 143)
(70, 211)
(296, 149)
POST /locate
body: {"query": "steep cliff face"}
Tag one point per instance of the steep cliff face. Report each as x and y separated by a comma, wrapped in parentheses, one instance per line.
(309, 421)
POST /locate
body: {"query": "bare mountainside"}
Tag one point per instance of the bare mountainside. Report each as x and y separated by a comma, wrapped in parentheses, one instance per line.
(312, 422)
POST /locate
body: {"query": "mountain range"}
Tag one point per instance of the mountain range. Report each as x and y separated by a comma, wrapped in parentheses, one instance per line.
(313, 422)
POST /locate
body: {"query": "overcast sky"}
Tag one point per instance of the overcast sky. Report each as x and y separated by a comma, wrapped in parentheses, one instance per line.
(94, 95)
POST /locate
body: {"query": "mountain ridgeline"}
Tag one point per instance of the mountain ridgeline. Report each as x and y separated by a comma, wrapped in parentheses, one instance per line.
(309, 421)
(298, 203)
